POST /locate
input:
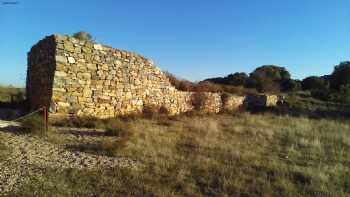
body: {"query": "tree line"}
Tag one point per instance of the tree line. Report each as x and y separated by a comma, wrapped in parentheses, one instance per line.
(274, 79)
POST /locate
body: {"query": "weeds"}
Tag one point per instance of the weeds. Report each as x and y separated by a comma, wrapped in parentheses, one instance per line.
(80, 122)
(112, 147)
(4, 151)
(118, 128)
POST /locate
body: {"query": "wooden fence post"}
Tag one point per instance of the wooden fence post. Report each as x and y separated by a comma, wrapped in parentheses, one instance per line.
(46, 118)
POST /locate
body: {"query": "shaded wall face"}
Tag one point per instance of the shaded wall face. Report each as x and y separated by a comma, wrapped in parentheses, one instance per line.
(41, 66)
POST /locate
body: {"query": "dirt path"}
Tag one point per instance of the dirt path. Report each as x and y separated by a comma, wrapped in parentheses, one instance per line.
(28, 155)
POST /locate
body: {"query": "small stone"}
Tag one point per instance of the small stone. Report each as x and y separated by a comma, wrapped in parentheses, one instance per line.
(71, 60)
(69, 46)
(61, 59)
(87, 92)
(63, 104)
(60, 74)
(91, 66)
(98, 47)
(104, 67)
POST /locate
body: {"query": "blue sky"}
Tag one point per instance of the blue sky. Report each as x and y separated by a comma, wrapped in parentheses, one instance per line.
(193, 39)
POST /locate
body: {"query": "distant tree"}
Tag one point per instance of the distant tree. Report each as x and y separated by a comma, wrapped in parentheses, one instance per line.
(236, 79)
(268, 78)
(291, 85)
(82, 35)
(341, 75)
(218, 80)
(314, 83)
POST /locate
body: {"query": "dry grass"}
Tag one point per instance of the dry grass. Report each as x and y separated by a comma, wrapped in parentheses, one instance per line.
(221, 155)
(118, 128)
(4, 151)
(34, 125)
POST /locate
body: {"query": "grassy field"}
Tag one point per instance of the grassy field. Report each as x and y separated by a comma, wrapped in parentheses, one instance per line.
(219, 155)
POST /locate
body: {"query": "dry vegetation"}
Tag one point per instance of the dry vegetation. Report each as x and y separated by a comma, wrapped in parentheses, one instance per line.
(220, 155)
(206, 86)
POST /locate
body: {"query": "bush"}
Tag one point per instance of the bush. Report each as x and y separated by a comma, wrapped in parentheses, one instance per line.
(291, 85)
(314, 83)
(81, 35)
(340, 75)
(207, 87)
(322, 94)
(34, 125)
(179, 84)
(343, 95)
(184, 85)
(198, 100)
(236, 79)
(224, 97)
(268, 78)
(80, 122)
(149, 110)
(163, 110)
(111, 147)
(118, 128)
(238, 90)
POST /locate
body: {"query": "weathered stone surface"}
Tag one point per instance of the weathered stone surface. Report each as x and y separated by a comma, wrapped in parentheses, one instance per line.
(71, 60)
(98, 47)
(60, 74)
(61, 59)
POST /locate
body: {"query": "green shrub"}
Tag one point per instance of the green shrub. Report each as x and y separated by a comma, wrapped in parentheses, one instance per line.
(340, 75)
(322, 94)
(268, 78)
(314, 83)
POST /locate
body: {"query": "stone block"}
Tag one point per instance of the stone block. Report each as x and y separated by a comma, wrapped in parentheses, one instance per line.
(71, 60)
(61, 59)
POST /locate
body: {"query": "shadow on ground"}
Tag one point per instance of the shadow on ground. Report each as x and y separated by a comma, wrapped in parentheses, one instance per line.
(82, 132)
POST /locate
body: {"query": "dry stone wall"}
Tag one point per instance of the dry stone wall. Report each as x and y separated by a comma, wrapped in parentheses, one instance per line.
(83, 78)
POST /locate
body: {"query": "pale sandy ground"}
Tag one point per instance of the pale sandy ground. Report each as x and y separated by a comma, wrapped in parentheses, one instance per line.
(28, 155)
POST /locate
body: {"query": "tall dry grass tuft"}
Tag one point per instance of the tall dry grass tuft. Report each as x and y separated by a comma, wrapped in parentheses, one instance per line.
(118, 128)
(34, 125)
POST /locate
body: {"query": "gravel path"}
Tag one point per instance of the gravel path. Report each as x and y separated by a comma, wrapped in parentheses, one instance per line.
(28, 156)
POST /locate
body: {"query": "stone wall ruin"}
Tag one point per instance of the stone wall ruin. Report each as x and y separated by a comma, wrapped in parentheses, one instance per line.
(83, 78)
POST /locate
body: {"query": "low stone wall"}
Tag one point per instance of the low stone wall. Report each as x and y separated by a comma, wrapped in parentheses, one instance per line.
(261, 100)
(83, 78)
(233, 103)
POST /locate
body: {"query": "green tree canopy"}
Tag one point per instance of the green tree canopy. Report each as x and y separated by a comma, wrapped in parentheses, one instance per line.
(314, 83)
(340, 75)
(268, 78)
